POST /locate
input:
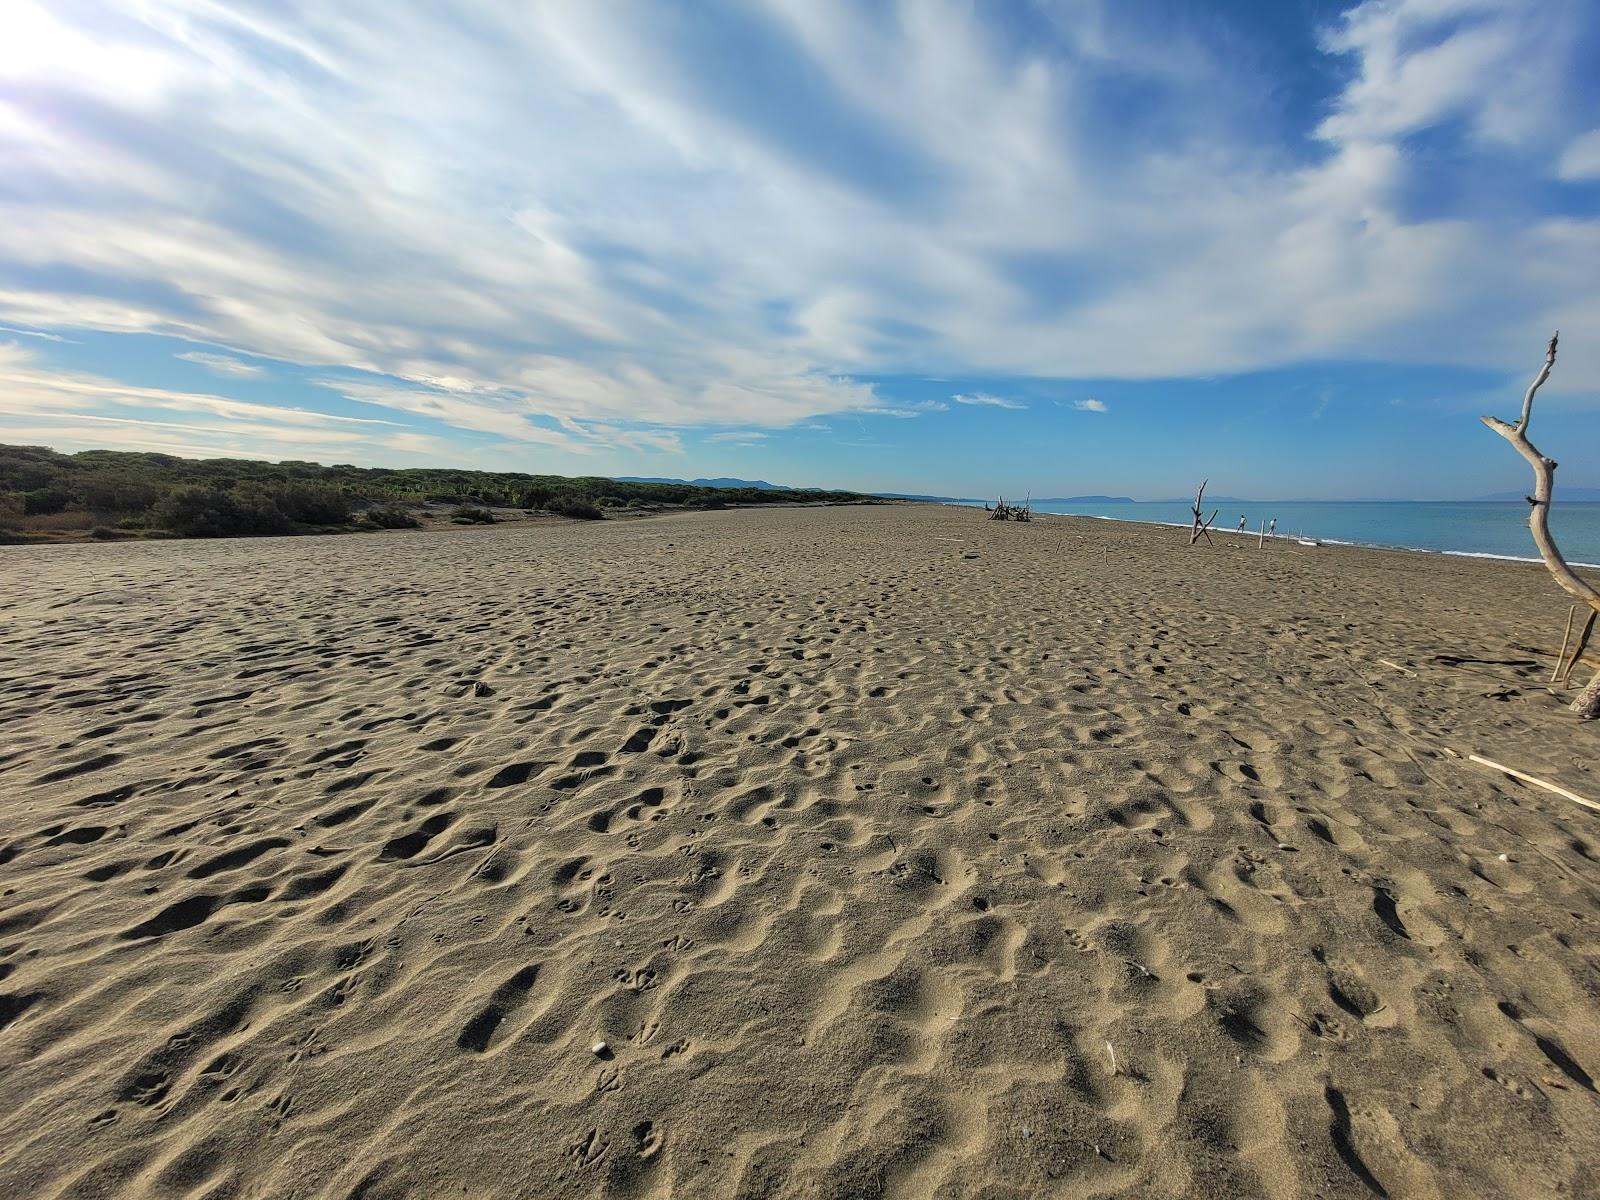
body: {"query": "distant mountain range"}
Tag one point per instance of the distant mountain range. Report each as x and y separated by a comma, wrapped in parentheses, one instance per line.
(1084, 500)
(760, 485)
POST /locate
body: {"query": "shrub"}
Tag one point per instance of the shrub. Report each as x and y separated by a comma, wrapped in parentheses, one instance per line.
(103, 533)
(211, 512)
(472, 516)
(580, 508)
(311, 505)
(45, 501)
(27, 468)
(112, 494)
(391, 517)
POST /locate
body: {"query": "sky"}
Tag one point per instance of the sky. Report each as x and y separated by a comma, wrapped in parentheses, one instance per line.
(1086, 246)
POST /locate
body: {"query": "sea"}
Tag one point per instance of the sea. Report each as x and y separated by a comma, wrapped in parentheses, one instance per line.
(1479, 529)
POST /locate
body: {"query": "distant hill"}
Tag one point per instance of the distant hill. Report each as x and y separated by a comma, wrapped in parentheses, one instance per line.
(1583, 495)
(1084, 500)
(926, 499)
(1036, 499)
(760, 485)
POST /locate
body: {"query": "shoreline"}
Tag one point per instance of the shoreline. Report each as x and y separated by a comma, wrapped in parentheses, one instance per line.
(1342, 543)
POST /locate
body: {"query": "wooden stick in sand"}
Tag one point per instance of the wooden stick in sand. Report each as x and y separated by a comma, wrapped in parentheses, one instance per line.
(1565, 635)
(1537, 782)
(1578, 649)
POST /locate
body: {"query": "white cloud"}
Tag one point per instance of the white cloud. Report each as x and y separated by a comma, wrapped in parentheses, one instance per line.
(78, 409)
(586, 232)
(1581, 159)
(914, 408)
(737, 435)
(33, 333)
(1409, 81)
(221, 364)
(1090, 405)
(988, 401)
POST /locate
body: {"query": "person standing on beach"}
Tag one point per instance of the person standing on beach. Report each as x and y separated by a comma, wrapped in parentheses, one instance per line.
(1272, 527)
(1241, 522)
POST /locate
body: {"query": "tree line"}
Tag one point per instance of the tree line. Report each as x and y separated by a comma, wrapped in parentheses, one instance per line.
(115, 493)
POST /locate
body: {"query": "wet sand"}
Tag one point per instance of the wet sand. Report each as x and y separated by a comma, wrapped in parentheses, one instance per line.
(809, 852)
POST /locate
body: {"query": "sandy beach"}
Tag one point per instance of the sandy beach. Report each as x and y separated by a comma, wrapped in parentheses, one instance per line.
(838, 852)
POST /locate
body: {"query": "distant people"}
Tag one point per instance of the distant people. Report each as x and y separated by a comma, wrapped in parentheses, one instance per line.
(1241, 522)
(1272, 527)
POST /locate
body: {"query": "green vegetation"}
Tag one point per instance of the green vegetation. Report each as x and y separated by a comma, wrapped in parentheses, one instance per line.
(107, 494)
(390, 516)
(579, 507)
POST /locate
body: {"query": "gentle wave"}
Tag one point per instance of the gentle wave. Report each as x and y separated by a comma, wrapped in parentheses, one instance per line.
(1298, 536)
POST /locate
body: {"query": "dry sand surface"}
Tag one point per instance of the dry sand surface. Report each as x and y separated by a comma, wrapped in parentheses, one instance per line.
(888, 851)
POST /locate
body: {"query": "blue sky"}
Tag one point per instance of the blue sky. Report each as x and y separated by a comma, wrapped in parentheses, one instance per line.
(1067, 247)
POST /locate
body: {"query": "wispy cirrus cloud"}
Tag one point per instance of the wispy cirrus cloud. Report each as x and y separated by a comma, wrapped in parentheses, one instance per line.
(908, 409)
(222, 364)
(985, 400)
(611, 222)
(42, 404)
(33, 333)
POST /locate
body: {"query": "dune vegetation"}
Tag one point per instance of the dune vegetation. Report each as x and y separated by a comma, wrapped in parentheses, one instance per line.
(109, 494)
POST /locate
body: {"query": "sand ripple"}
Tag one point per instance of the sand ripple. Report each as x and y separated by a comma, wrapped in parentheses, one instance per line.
(1088, 866)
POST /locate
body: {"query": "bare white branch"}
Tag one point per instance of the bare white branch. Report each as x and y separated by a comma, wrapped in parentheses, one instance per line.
(1544, 474)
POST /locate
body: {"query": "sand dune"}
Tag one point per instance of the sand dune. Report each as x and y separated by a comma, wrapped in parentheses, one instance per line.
(888, 852)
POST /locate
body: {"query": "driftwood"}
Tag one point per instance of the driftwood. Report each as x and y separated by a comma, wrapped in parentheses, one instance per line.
(1537, 782)
(1587, 705)
(1010, 512)
(1202, 530)
(1564, 664)
(1566, 634)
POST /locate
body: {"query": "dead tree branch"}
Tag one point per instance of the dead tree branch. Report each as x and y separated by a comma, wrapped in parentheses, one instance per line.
(1587, 705)
(1200, 530)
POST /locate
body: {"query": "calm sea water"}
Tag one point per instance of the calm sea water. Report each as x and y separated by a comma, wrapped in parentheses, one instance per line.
(1463, 527)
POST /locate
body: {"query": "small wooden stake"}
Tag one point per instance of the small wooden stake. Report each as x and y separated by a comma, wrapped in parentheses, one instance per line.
(1565, 634)
(1578, 648)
